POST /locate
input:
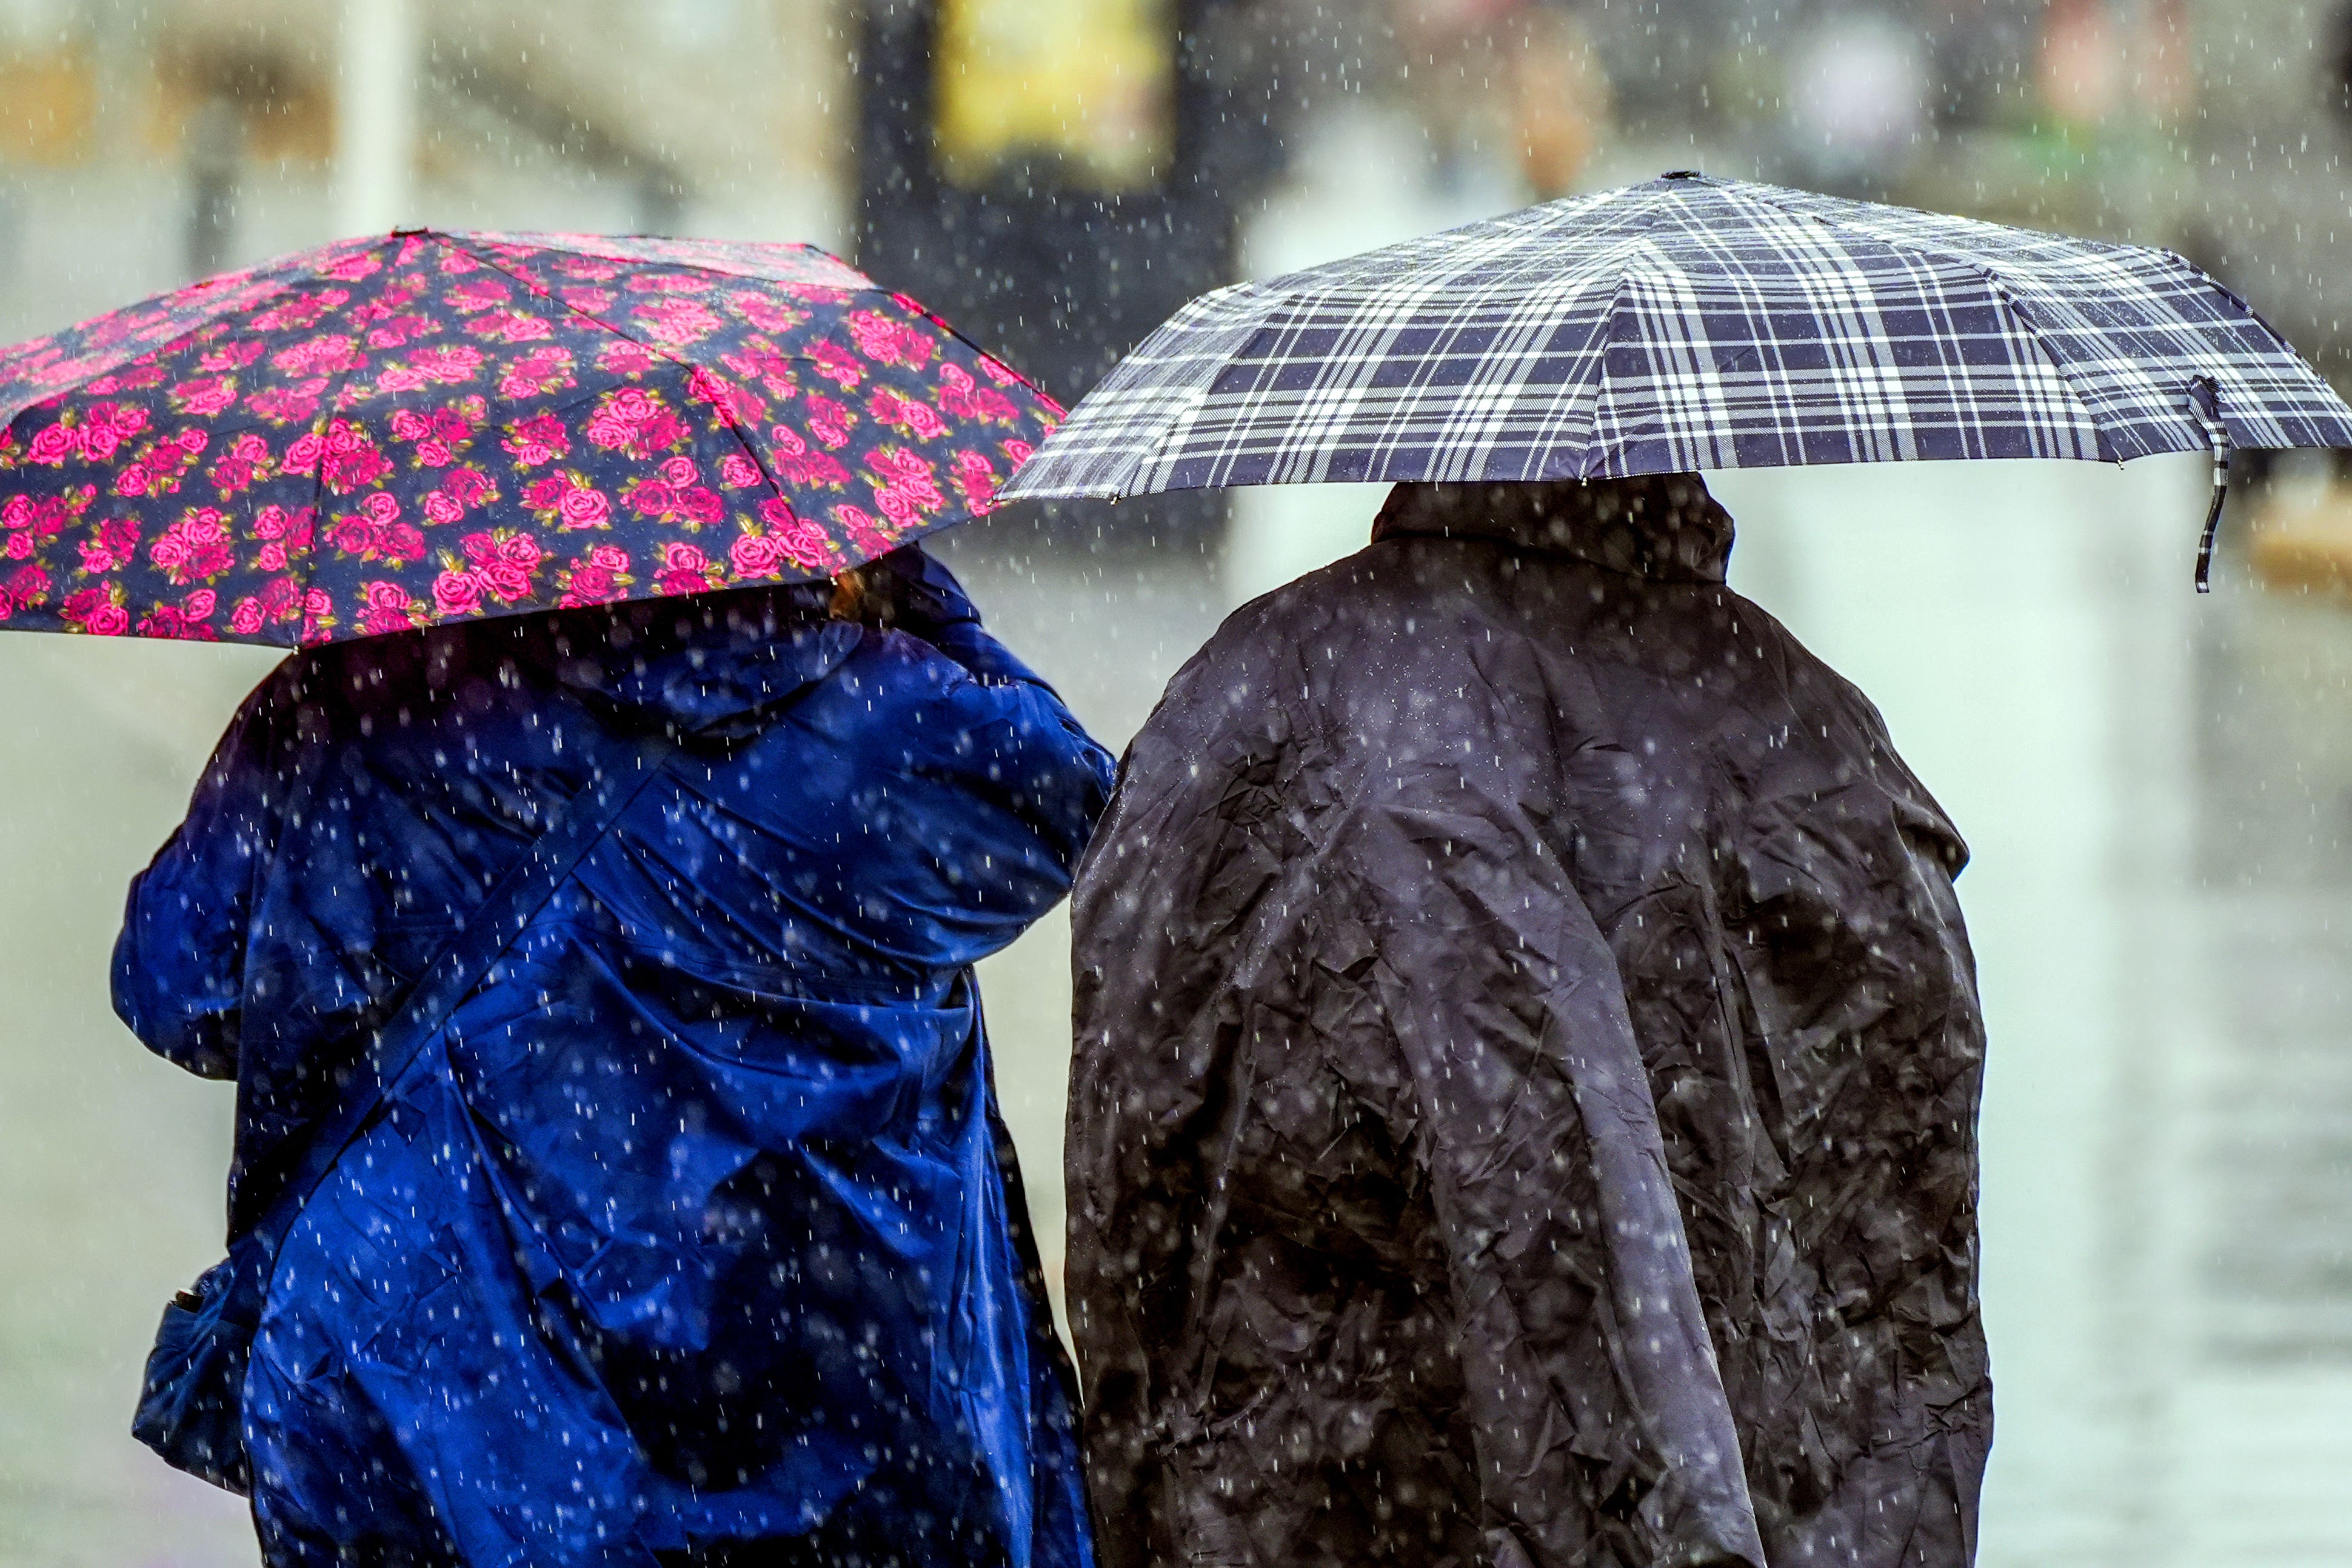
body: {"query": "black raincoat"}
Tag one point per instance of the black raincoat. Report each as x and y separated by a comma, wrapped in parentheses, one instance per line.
(1526, 1071)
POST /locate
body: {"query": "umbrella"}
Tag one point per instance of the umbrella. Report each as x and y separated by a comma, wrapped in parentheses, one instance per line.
(393, 433)
(1690, 323)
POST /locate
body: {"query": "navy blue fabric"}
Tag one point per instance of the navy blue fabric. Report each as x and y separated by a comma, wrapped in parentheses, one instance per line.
(696, 1225)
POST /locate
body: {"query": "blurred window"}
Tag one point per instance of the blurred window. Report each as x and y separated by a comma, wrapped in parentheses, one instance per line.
(1074, 93)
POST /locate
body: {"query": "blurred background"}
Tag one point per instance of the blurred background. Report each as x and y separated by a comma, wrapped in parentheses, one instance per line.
(2158, 787)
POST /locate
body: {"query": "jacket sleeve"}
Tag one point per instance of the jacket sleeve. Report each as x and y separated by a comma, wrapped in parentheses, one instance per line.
(1004, 734)
(178, 965)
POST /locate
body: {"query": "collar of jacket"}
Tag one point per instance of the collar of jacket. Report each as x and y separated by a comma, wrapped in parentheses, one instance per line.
(1662, 527)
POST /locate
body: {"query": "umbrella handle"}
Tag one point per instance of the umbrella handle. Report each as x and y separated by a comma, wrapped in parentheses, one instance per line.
(2204, 398)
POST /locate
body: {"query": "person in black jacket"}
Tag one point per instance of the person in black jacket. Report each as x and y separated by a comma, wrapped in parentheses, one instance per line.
(1527, 1059)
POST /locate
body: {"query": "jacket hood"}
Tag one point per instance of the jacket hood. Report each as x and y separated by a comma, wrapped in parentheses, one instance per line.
(714, 664)
(1663, 527)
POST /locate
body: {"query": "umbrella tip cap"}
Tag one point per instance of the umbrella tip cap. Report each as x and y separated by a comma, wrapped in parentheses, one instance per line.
(1682, 175)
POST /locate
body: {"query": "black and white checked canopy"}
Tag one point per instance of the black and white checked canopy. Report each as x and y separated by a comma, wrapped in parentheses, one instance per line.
(1686, 323)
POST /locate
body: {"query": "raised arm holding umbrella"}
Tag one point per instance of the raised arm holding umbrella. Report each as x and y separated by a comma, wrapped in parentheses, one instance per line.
(586, 912)
(1523, 1109)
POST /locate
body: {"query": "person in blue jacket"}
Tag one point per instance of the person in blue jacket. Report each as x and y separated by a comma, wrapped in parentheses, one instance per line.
(692, 1235)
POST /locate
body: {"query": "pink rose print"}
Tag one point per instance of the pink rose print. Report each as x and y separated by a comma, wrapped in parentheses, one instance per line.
(872, 537)
(596, 577)
(1003, 374)
(510, 327)
(797, 463)
(342, 455)
(205, 396)
(837, 364)
(636, 423)
(567, 500)
(588, 301)
(236, 356)
(801, 541)
(296, 315)
(97, 610)
(681, 470)
(457, 592)
(652, 497)
(828, 421)
(196, 549)
(394, 331)
(470, 487)
(352, 268)
(31, 522)
(294, 405)
(887, 342)
(477, 294)
(285, 534)
(907, 416)
(318, 608)
(157, 468)
(763, 365)
(587, 267)
(740, 406)
(541, 438)
(185, 620)
(1016, 452)
(352, 535)
(115, 546)
(243, 466)
(323, 355)
(976, 477)
(737, 471)
(542, 370)
(52, 443)
(107, 425)
(903, 487)
(503, 562)
(967, 399)
(686, 570)
(387, 607)
(764, 312)
(675, 323)
(27, 588)
(756, 555)
(666, 283)
(621, 358)
(454, 262)
(438, 433)
(429, 366)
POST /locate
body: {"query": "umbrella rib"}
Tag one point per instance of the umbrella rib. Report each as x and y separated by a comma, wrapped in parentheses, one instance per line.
(1999, 291)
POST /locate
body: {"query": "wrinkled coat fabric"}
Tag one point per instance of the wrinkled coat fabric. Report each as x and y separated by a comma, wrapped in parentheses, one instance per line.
(696, 1225)
(1526, 1079)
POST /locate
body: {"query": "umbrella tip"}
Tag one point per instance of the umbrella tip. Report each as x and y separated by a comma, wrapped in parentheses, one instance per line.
(1681, 174)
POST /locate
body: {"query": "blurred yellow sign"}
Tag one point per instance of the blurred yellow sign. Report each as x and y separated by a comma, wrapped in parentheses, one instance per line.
(1080, 90)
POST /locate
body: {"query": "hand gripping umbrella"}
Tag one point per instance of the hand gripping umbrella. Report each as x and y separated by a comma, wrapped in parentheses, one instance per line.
(394, 433)
(1692, 323)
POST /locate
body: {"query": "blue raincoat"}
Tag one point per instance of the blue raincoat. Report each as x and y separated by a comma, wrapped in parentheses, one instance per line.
(696, 1224)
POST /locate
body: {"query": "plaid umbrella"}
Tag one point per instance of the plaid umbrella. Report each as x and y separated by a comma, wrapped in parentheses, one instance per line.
(1690, 323)
(423, 427)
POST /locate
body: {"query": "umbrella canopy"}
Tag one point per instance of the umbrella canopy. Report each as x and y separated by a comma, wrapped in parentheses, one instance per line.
(392, 432)
(1689, 323)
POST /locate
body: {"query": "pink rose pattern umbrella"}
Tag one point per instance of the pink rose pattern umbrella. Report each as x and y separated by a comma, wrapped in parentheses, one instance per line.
(388, 434)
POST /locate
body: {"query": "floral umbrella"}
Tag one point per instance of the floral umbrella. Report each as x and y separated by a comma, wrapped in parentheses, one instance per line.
(393, 433)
